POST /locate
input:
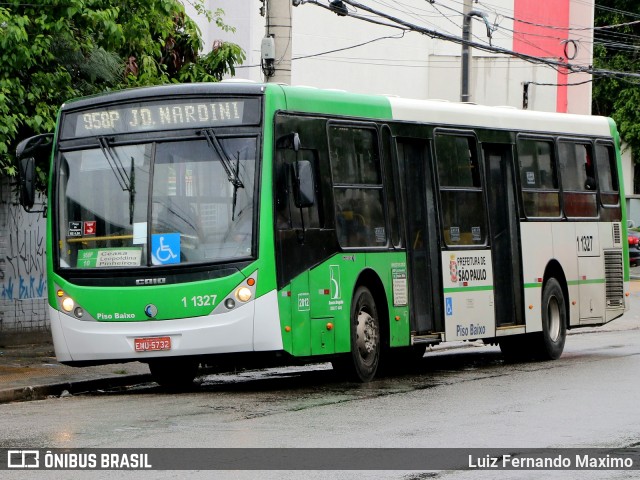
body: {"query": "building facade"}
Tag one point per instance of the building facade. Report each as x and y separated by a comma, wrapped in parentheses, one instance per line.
(322, 49)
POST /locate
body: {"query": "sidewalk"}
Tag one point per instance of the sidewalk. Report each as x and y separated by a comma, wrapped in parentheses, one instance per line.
(31, 372)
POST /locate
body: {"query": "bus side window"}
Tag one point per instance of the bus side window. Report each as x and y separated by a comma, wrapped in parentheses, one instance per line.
(577, 173)
(357, 186)
(461, 197)
(538, 178)
(608, 181)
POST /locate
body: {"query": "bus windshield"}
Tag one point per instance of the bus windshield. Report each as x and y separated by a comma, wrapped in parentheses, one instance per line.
(157, 203)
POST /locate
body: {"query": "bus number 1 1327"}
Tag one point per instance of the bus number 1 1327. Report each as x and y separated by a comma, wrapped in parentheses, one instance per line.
(199, 301)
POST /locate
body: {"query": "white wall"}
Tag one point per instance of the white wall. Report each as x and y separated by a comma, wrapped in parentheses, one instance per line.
(415, 66)
(579, 96)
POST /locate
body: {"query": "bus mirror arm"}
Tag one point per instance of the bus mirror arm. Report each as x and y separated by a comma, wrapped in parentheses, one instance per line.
(36, 149)
(291, 141)
(36, 146)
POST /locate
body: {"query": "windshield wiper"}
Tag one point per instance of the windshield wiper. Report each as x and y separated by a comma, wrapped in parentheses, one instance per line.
(115, 164)
(132, 190)
(213, 142)
(232, 173)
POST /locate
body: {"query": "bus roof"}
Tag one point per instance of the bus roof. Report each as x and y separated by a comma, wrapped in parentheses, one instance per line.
(148, 93)
(337, 102)
(501, 118)
(438, 112)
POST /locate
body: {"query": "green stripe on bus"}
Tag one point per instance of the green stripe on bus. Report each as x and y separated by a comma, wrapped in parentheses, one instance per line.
(468, 289)
(570, 282)
(585, 282)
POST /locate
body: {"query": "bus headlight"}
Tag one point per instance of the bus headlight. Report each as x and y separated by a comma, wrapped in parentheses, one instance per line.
(68, 304)
(243, 294)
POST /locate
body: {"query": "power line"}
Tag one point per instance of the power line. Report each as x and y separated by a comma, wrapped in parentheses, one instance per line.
(311, 55)
(563, 67)
(352, 46)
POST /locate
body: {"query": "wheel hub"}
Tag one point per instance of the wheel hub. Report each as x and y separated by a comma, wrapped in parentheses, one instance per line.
(554, 319)
(366, 334)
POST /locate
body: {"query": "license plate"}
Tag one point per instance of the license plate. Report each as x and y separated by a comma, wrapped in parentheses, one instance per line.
(152, 344)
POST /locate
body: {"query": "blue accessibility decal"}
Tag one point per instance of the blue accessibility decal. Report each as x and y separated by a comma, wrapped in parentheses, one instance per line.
(165, 248)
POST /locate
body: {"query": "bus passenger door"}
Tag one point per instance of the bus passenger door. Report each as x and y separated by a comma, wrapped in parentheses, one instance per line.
(504, 235)
(423, 247)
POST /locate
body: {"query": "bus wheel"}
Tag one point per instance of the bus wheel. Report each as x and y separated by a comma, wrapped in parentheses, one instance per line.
(365, 336)
(174, 373)
(554, 322)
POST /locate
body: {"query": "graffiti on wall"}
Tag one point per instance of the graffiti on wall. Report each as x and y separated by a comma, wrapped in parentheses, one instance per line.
(23, 268)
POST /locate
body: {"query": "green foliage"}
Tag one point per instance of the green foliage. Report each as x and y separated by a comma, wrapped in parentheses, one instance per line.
(613, 96)
(55, 50)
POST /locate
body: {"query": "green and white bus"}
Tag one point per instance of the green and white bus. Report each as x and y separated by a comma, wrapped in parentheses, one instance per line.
(191, 221)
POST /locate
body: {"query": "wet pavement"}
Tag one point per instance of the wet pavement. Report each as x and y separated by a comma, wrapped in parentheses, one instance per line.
(31, 372)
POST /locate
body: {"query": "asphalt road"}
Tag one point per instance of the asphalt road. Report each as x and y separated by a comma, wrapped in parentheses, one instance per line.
(467, 397)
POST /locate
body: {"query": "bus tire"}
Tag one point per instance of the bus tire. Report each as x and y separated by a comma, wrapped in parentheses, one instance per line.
(174, 372)
(550, 342)
(361, 364)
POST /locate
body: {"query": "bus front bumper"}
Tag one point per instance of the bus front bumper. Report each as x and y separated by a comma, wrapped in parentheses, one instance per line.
(236, 331)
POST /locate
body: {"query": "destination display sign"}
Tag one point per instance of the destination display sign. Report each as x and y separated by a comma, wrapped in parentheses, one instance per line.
(162, 115)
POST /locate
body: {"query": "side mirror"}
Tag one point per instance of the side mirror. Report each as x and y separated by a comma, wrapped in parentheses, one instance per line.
(304, 185)
(29, 151)
(27, 183)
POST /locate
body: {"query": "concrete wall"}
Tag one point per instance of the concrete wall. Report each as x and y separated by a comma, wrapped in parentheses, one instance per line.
(23, 287)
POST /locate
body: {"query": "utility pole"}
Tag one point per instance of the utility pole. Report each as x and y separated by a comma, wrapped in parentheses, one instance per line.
(466, 51)
(277, 69)
(467, 14)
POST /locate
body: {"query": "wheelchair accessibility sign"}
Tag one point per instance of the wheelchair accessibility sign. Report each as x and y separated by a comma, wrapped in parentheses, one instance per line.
(165, 248)
(448, 308)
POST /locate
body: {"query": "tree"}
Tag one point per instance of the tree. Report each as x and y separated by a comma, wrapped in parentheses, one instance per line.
(617, 49)
(54, 50)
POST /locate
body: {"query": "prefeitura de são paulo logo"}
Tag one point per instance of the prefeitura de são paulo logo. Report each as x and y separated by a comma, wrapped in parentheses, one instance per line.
(453, 268)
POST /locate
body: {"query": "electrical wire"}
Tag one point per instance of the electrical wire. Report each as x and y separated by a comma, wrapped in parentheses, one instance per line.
(561, 66)
(311, 55)
(349, 48)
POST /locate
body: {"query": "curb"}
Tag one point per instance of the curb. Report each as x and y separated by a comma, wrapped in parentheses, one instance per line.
(40, 392)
